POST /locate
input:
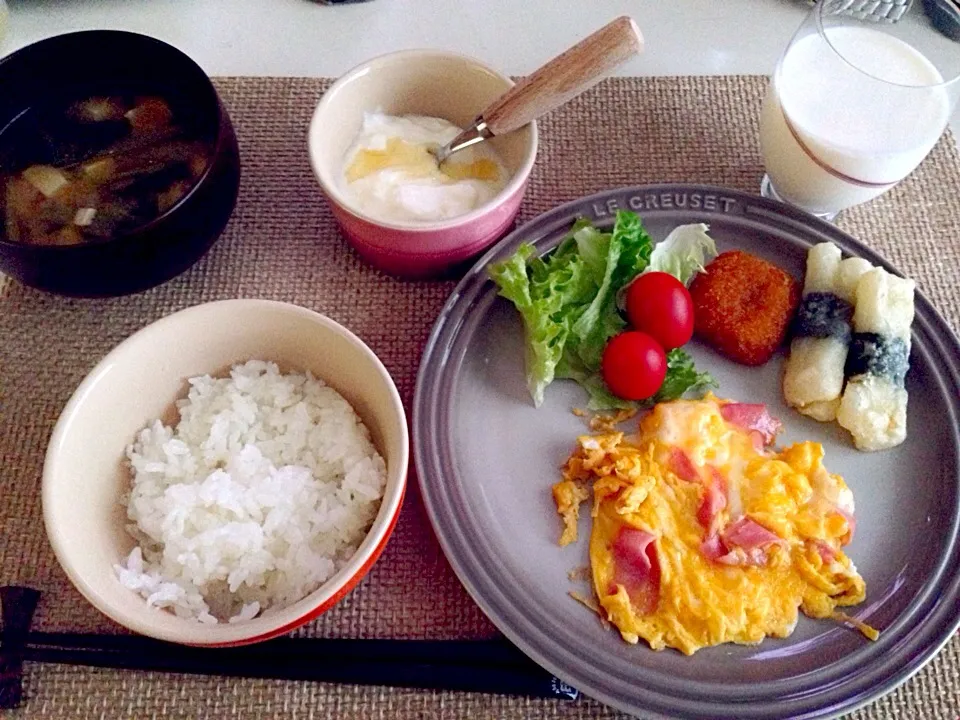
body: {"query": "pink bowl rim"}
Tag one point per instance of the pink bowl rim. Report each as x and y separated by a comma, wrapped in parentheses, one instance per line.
(329, 186)
(315, 603)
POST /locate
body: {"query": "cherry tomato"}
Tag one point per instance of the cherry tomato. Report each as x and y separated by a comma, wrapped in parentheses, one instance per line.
(659, 305)
(634, 365)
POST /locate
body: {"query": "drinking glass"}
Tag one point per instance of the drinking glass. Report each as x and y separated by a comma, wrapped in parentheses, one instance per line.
(859, 97)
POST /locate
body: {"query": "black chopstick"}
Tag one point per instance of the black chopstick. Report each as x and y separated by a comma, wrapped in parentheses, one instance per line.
(471, 652)
(490, 666)
(18, 605)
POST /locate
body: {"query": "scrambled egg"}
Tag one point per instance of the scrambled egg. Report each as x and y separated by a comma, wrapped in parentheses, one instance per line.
(703, 535)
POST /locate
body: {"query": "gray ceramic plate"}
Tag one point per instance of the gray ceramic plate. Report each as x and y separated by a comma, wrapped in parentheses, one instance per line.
(486, 459)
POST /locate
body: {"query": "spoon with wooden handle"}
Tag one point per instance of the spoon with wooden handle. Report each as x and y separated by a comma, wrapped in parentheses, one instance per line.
(562, 79)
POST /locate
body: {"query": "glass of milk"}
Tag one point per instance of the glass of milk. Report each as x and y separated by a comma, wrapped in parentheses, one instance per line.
(856, 102)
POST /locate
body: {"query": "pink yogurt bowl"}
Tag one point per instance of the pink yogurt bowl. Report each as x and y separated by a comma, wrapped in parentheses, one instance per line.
(417, 82)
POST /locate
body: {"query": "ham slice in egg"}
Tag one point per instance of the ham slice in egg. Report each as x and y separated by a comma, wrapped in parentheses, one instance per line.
(827, 553)
(714, 500)
(744, 558)
(637, 567)
(748, 534)
(752, 417)
(712, 548)
(682, 466)
(743, 543)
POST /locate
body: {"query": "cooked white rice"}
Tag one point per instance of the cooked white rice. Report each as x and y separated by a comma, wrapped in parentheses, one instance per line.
(262, 491)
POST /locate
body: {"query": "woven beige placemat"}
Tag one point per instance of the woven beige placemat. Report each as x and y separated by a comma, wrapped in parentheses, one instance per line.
(282, 244)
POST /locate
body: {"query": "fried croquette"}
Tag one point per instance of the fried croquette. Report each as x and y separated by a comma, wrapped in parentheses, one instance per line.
(743, 305)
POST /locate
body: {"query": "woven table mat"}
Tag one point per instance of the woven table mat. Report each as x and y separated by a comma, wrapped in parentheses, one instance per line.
(282, 244)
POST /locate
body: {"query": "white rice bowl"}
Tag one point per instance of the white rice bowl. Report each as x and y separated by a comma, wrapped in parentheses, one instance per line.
(264, 489)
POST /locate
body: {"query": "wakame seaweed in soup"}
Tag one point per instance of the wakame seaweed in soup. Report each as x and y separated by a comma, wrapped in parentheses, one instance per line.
(92, 169)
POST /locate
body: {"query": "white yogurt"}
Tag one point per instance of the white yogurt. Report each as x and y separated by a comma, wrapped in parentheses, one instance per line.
(389, 174)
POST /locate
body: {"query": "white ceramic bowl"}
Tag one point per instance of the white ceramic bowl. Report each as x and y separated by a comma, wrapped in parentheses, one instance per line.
(85, 474)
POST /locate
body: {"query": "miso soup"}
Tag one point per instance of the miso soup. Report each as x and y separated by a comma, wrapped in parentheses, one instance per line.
(92, 169)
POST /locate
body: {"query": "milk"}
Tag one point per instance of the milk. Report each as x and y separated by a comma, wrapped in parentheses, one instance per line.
(873, 124)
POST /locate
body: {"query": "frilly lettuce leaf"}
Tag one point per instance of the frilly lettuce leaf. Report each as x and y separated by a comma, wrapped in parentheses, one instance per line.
(682, 378)
(684, 252)
(546, 295)
(628, 253)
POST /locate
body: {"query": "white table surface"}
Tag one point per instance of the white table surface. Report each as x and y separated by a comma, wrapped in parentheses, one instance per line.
(305, 38)
(300, 37)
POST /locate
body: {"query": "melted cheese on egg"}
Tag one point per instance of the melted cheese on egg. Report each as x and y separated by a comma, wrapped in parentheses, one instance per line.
(695, 586)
